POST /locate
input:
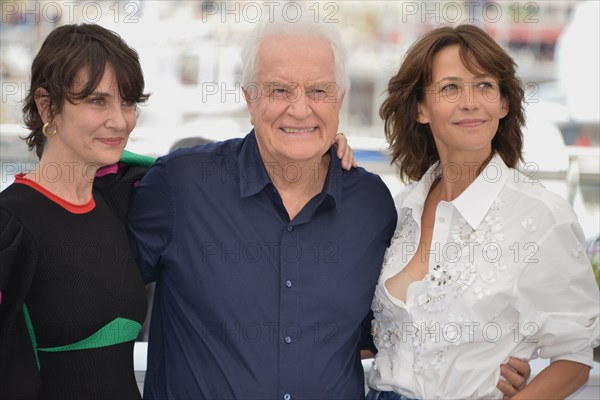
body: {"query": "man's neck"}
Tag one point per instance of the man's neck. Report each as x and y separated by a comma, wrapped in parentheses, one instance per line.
(298, 182)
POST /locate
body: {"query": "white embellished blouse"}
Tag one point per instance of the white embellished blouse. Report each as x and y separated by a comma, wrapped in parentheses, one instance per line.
(508, 276)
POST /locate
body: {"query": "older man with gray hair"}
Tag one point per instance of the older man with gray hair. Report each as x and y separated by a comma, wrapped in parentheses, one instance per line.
(265, 251)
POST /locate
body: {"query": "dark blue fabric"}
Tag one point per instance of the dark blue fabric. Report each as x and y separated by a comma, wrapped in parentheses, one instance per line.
(377, 395)
(248, 304)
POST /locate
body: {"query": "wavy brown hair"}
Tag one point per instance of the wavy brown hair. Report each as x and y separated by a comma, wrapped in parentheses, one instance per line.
(411, 143)
(67, 50)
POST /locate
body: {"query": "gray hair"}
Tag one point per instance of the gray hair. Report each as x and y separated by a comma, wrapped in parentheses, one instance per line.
(304, 26)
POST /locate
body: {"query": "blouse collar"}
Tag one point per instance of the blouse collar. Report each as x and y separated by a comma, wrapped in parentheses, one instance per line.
(474, 203)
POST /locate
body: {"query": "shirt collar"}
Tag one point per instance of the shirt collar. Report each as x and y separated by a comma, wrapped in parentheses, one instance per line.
(333, 181)
(254, 177)
(415, 199)
(474, 203)
(251, 169)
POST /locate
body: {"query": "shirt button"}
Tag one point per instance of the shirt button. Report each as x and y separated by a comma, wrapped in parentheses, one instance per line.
(288, 283)
(287, 397)
(288, 339)
(290, 228)
(441, 220)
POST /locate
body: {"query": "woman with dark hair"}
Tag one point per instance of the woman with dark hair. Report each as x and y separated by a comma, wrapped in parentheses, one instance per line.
(484, 265)
(72, 298)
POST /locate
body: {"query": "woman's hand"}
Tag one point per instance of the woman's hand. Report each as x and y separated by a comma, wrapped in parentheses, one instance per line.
(344, 152)
(516, 372)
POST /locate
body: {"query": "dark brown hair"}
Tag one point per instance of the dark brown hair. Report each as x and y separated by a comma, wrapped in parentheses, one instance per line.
(411, 143)
(67, 50)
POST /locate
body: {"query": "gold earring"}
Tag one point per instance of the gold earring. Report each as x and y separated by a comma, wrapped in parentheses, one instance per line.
(45, 132)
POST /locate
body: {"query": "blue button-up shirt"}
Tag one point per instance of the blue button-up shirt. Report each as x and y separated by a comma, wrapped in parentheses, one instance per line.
(249, 304)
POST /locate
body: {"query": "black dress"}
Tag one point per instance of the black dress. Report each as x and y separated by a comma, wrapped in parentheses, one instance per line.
(70, 289)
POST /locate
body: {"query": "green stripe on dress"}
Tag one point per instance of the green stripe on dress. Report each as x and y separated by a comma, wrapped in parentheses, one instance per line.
(31, 334)
(119, 330)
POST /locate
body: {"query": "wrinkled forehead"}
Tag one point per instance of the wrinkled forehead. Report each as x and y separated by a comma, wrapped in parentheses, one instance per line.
(295, 58)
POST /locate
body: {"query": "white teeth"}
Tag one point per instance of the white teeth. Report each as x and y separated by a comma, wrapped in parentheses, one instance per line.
(291, 130)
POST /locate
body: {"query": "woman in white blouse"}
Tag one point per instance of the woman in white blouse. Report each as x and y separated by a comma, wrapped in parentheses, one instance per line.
(485, 264)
